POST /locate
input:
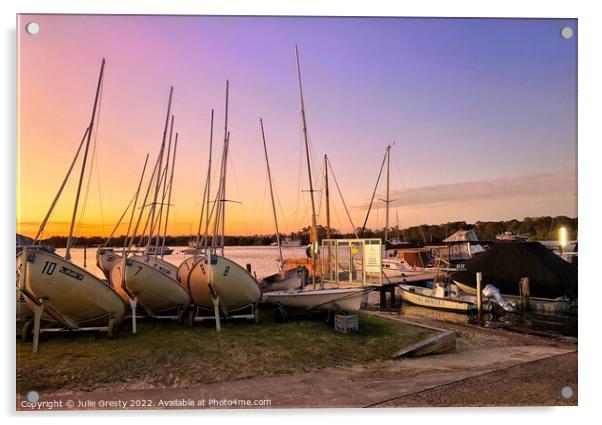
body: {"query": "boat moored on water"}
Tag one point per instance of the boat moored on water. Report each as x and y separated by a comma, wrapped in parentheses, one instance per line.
(438, 299)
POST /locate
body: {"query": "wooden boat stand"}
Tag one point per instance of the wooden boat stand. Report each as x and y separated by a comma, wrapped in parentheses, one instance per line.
(42, 306)
(199, 314)
(134, 316)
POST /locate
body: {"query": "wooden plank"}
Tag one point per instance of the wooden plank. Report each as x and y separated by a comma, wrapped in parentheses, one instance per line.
(436, 344)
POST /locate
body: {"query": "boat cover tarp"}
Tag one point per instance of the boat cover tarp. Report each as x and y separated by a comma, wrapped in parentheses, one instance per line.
(462, 236)
(505, 263)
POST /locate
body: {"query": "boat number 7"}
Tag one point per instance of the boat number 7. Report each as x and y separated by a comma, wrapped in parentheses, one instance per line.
(49, 267)
(227, 270)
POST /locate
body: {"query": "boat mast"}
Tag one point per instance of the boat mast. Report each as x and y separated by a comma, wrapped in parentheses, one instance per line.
(387, 201)
(81, 175)
(164, 191)
(125, 242)
(327, 197)
(159, 168)
(173, 166)
(60, 191)
(207, 192)
(226, 141)
(313, 235)
(267, 163)
(218, 201)
(224, 200)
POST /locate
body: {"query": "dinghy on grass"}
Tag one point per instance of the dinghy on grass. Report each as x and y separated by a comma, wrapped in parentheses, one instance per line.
(347, 300)
(285, 279)
(215, 282)
(105, 259)
(55, 289)
(146, 279)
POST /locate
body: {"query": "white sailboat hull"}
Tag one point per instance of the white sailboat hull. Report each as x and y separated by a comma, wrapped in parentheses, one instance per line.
(72, 295)
(154, 284)
(234, 285)
(183, 272)
(287, 281)
(105, 258)
(344, 299)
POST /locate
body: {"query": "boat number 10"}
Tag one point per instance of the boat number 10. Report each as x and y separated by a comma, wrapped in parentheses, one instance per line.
(49, 267)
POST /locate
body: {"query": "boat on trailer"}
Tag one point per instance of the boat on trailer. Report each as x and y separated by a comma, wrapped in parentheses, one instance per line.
(146, 279)
(153, 283)
(304, 300)
(285, 279)
(344, 300)
(217, 283)
(105, 259)
(54, 288)
(68, 293)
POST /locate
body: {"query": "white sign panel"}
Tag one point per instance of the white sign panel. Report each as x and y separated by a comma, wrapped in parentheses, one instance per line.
(372, 258)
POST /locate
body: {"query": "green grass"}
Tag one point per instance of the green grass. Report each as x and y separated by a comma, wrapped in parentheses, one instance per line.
(165, 353)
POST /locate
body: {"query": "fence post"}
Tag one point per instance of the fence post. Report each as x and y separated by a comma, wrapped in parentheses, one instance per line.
(524, 292)
(479, 294)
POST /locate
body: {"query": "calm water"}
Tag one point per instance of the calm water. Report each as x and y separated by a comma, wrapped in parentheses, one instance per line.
(263, 259)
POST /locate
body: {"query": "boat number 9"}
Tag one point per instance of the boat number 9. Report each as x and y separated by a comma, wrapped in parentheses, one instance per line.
(49, 267)
(227, 270)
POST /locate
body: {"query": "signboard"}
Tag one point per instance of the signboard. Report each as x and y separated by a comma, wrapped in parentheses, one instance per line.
(372, 258)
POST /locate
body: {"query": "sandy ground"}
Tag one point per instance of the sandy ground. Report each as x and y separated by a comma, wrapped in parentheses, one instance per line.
(520, 385)
(489, 367)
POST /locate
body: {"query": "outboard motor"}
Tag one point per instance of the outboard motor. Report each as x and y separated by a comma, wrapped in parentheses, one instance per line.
(493, 294)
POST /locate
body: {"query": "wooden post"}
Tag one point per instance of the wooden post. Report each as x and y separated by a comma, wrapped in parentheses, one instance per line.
(479, 294)
(218, 325)
(37, 320)
(85, 255)
(383, 296)
(133, 303)
(392, 294)
(249, 267)
(524, 292)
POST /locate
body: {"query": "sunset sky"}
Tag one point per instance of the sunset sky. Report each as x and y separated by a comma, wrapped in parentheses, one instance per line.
(482, 114)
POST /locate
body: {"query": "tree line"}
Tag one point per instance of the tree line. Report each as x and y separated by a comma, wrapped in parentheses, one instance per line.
(536, 228)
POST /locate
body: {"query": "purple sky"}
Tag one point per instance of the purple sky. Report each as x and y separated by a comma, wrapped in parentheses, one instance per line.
(478, 110)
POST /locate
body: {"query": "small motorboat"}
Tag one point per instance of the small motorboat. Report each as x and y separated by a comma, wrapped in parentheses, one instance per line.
(443, 296)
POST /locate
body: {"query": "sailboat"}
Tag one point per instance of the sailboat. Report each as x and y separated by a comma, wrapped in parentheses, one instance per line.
(331, 299)
(56, 289)
(183, 272)
(216, 282)
(106, 256)
(285, 279)
(146, 279)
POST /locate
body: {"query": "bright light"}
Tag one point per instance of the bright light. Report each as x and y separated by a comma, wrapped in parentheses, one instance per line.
(562, 236)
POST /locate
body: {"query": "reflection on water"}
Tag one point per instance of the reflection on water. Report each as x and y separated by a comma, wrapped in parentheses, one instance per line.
(263, 259)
